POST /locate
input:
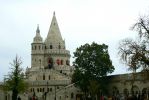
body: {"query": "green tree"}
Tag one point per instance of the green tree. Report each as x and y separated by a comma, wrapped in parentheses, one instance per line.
(15, 79)
(92, 63)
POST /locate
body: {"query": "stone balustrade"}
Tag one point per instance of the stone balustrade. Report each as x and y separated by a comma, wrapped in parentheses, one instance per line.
(51, 51)
(49, 82)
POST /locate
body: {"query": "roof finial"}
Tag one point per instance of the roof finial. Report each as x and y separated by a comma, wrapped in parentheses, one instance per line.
(37, 31)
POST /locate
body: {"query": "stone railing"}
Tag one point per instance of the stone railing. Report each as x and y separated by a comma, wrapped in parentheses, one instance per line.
(51, 51)
(57, 51)
(49, 82)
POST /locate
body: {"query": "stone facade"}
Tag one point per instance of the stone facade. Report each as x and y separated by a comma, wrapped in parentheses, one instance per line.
(128, 84)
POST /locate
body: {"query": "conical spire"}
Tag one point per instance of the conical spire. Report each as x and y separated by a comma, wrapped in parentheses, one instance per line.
(54, 33)
(37, 31)
(37, 38)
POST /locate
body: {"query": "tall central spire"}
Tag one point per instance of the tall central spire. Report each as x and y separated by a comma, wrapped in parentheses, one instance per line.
(54, 33)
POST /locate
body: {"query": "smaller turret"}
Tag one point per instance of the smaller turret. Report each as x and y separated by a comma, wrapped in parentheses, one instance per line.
(37, 38)
(37, 50)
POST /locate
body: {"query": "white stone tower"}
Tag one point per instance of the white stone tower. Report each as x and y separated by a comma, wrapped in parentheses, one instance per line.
(52, 52)
(50, 70)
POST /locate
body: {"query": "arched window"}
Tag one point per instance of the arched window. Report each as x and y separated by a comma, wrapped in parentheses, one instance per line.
(59, 46)
(67, 62)
(39, 47)
(51, 89)
(45, 47)
(51, 47)
(48, 89)
(43, 77)
(72, 95)
(58, 62)
(50, 63)
(40, 90)
(49, 77)
(61, 62)
(37, 89)
(40, 62)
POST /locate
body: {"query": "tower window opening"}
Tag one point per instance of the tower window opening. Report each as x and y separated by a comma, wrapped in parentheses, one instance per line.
(72, 95)
(51, 89)
(37, 89)
(49, 77)
(59, 46)
(67, 62)
(45, 47)
(61, 62)
(50, 63)
(43, 77)
(40, 62)
(48, 89)
(39, 47)
(51, 47)
(40, 90)
(58, 62)
(35, 47)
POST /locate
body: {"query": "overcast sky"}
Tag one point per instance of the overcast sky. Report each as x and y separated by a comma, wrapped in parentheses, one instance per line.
(80, 22)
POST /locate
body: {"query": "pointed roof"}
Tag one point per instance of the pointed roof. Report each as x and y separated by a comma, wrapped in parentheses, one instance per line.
(37, 30)
(37, 38)
(54, 33)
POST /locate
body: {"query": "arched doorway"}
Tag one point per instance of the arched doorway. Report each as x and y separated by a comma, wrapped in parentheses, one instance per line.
(126, 92)
(135, 90)
(145, 93)
(115, 91)
(79, 97)
(144, 90)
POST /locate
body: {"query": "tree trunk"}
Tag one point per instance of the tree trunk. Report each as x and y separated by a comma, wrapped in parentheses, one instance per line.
(14, 94)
